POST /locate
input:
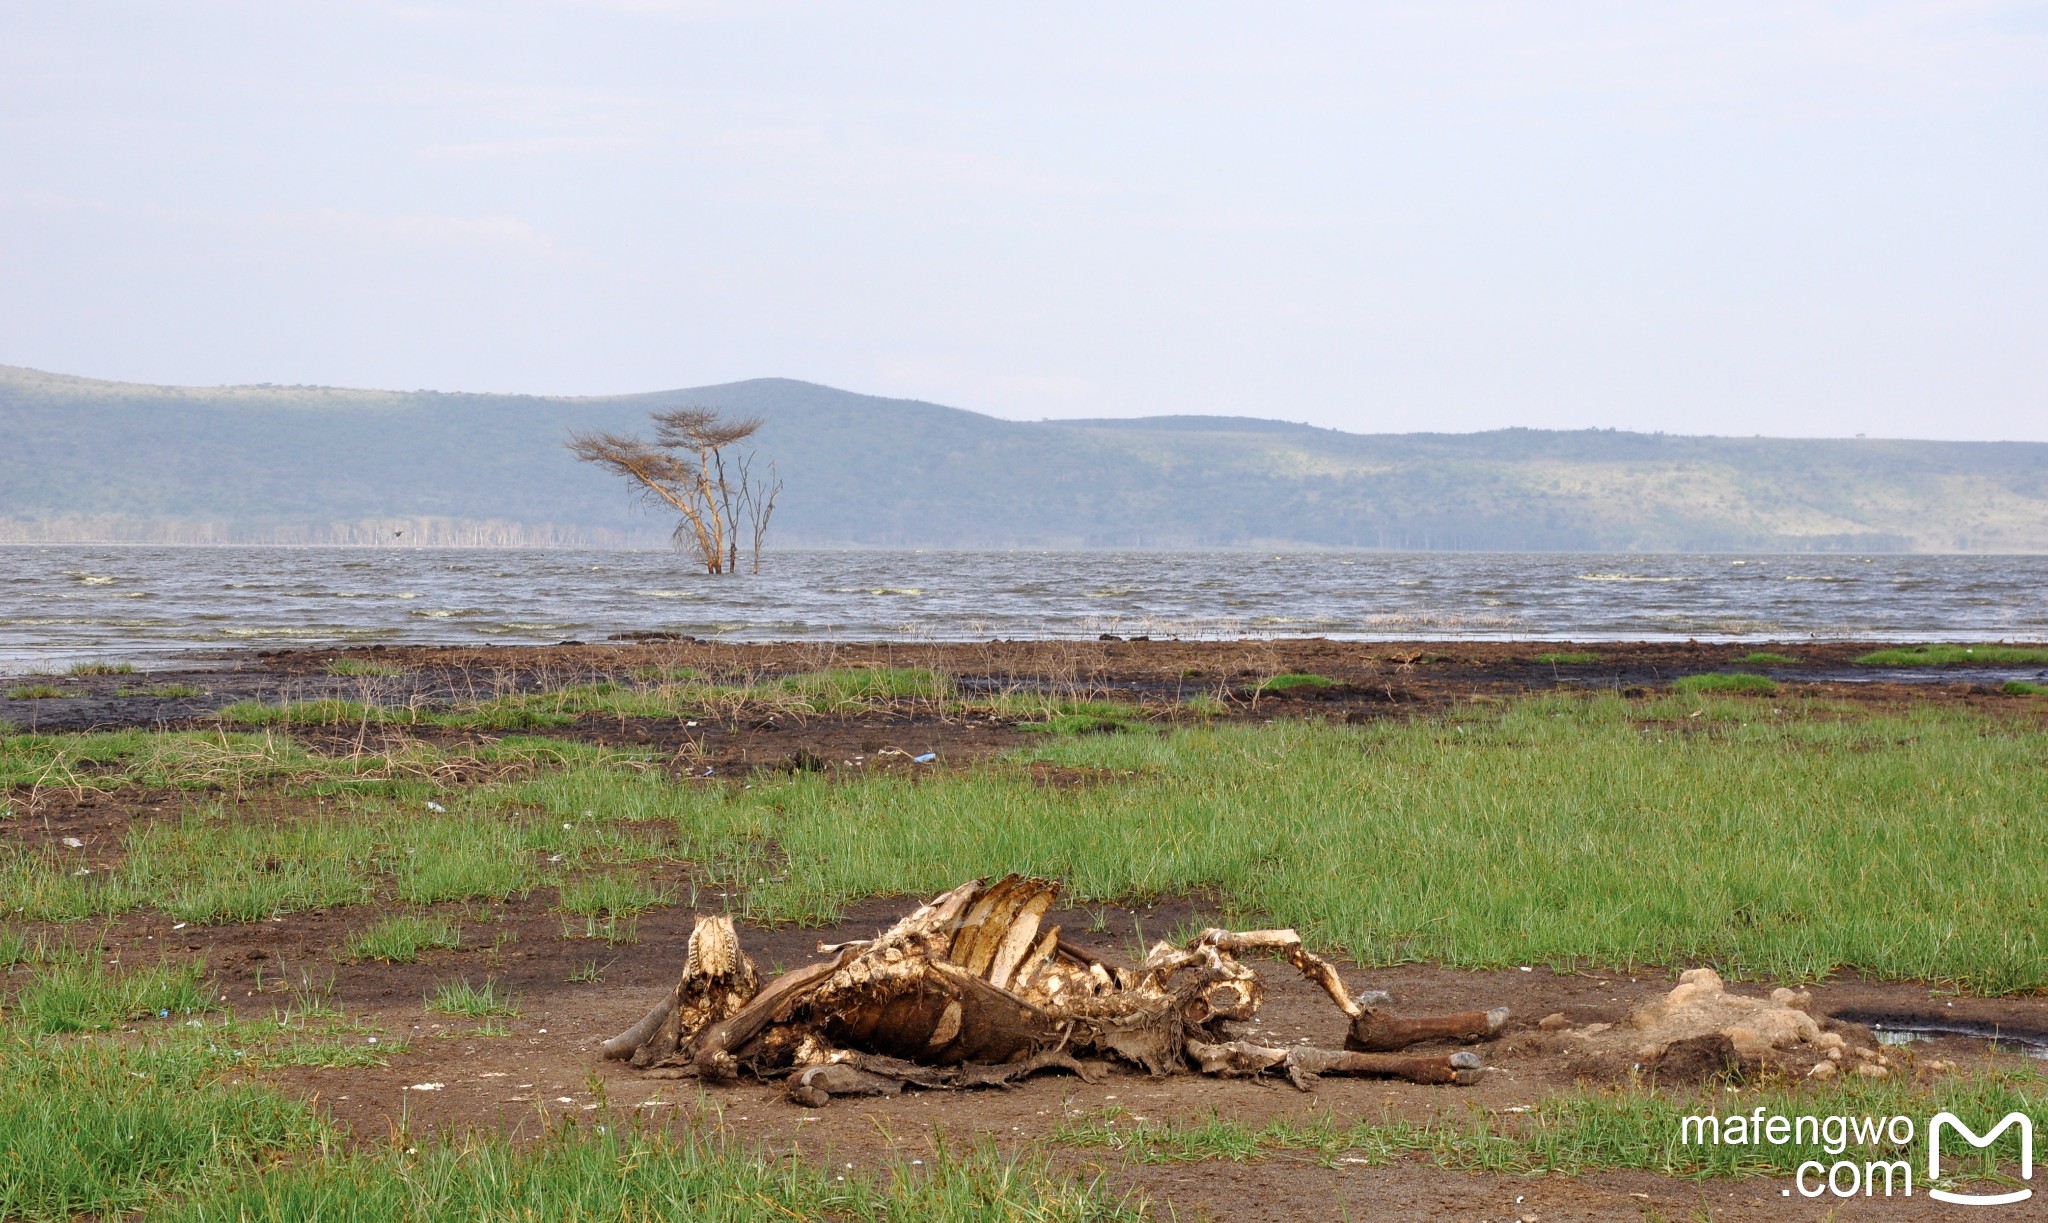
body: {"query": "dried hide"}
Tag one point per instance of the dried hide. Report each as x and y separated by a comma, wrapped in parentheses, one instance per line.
(974, 989)
(1699, 1030)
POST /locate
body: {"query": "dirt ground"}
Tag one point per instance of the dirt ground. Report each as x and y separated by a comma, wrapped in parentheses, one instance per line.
(547, 1066)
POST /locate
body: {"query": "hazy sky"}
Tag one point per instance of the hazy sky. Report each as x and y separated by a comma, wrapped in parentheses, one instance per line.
(1726, 217)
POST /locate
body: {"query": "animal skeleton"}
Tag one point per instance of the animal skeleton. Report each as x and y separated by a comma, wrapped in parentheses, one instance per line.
(973, 989)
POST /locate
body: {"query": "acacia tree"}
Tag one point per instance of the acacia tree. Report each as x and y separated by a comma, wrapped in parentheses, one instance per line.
(687, 468)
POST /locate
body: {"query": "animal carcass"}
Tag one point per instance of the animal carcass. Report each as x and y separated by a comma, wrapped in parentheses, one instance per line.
(974, 989)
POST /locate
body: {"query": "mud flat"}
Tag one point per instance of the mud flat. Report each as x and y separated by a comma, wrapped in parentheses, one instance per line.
(1366, 679)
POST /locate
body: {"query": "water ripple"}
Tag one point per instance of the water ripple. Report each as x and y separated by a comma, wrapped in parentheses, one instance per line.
(203, 597)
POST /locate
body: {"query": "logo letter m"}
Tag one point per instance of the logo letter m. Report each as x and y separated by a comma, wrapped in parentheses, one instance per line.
(1951, 1121)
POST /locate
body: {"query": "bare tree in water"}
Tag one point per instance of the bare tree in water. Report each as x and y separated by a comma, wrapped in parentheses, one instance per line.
(690, 468)
(757, 498)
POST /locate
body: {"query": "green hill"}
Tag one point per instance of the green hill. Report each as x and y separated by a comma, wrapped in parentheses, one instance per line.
(83, 459)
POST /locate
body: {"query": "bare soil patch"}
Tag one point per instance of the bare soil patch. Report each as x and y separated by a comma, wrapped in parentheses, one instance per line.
(547, 1066)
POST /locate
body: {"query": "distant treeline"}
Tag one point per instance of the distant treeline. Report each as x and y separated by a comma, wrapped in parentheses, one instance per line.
(81, 459)
(376, 533)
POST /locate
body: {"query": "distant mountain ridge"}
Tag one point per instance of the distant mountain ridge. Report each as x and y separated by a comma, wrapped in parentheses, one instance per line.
(82, 459)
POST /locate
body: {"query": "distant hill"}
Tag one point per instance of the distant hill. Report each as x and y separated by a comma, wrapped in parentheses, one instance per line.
(83, 459)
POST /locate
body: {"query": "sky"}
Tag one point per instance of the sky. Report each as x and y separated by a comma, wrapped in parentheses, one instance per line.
(1786, 218)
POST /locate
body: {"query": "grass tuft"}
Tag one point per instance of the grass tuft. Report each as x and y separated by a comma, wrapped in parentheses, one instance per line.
(1296, 679)
(325, 712)
(364, 667)
(400, 940)
(1573, 658)
(165, 690)
(109, 1129)
(81, 994)
(470, 1001)
(1725, 682)
(1946, 655)
(617, 1171)
(16, 949)
(1087, 718)
(37, 692)
(2021, 687)
(102, 668)
(823, 691)
(609, 895)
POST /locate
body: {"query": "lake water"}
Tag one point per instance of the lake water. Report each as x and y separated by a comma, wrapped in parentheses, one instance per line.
(66, 603)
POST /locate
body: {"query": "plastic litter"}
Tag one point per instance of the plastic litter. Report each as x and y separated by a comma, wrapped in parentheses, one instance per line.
(927, 758)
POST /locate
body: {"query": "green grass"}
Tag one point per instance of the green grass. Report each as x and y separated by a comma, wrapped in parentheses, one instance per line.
(1944, 655)
(681, 694)
(471, 857)
(325, 712)
(1765, 658)
(400, 940)
(1725, 681)
(211, 866)
(601, 895)
(165, 690)
(466, 1000)
(1064, 717)
(1556, 831)
(2020, 687)
(1561, 830)
(1570, 659)
(37, 692)
(166, 1125)
(615, 929)
(83, 993)
(16, 949)
(1585, 1130)
(610, 1172)
(507, 713)
(823, 691)
(364, 667)
(271, 759)
(101, 668)
(108, 1127)
(1296, 679)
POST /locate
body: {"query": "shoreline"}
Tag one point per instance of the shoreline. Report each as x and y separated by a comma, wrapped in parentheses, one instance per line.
(1351, 679)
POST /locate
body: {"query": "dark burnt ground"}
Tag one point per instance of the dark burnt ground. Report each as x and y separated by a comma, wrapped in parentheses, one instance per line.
(1373, 679)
